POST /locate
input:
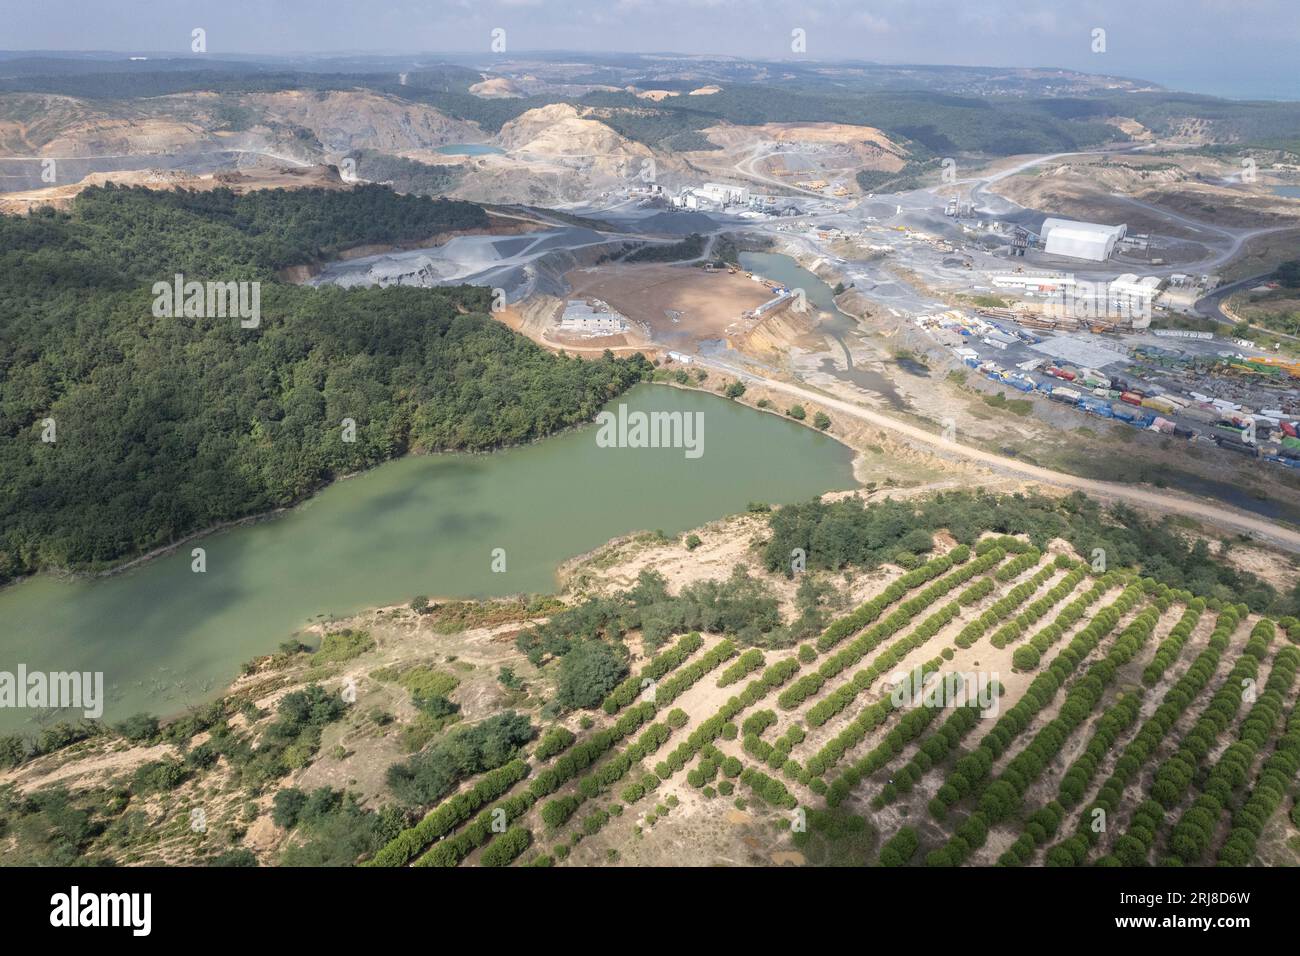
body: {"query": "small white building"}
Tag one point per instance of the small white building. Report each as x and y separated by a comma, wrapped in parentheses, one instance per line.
(581, 318)
(1080, 240)
(1035, 283)
(1131, 295)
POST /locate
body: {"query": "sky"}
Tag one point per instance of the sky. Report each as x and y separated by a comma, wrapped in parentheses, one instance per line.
(1244, 48)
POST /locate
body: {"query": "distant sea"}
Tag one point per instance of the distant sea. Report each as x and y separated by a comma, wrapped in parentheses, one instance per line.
(1278, 86)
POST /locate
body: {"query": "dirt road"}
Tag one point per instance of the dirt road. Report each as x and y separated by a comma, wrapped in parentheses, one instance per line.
(1210, 513)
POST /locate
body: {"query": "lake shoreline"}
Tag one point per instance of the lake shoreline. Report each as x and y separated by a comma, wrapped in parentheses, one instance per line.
(280, 511)
(428, 524)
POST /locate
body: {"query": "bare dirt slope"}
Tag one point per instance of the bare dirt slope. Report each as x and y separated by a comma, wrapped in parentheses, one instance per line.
(1191, 186)
(307, 123)
(246, 180)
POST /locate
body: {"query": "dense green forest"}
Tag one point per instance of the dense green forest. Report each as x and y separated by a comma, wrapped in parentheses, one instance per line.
(692, 247)
(165, 426)
(115, 85)
(677, 130)
(933, 123)
(407, 175)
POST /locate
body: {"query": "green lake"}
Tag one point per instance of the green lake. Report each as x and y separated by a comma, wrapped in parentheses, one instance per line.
(469, 149)
(166, 637)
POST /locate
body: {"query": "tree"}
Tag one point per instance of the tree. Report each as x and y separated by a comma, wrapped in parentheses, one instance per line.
(555, 813)
(139, 728)
(796, 412)
(13, 751)
(821, 421)
(435, 705)
(487, 745)
(287, 806)
(589, 671)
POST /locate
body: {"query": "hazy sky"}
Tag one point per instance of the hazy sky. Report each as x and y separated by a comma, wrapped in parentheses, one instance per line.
(1232, 47)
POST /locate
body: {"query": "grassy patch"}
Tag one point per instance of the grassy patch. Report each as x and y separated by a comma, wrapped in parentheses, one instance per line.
(1018, 406)
(836, 838)
(453, 617)
(342, 646)
(419, 679)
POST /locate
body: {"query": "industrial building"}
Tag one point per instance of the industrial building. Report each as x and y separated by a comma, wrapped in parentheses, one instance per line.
(1080, 240)
(725, 195)
(1131, 296)
(695, 199)
(582, 319)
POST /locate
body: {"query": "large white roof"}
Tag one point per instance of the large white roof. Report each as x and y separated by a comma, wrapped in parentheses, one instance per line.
(1080, 240)
(1081, 230)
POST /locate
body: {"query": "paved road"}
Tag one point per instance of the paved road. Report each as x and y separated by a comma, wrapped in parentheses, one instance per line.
(1210, 513)
(1211, 306)
(745, 168)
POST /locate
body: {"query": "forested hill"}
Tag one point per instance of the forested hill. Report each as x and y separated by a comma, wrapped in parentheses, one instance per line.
(165, 426)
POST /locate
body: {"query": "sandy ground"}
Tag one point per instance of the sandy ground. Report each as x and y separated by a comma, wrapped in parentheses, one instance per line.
(83, 765)
(1081, 187)
(682, 305)
(246, 180)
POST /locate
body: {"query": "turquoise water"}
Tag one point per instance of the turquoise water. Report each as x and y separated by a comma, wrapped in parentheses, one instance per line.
(469, 149)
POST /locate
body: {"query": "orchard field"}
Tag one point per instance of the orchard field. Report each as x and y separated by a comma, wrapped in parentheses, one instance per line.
(1125, 722)
(950, 680)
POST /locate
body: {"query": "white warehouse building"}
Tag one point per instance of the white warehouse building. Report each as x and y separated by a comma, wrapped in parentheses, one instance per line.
(1080, 240)
(725, 195)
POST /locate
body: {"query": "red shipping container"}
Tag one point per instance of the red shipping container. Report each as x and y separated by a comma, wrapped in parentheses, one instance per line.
(1131, 398)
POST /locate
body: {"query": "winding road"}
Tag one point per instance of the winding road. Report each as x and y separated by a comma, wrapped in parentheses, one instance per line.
(1215, 514)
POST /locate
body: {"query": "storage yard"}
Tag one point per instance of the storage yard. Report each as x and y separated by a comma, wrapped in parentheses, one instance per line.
(1197, 387)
